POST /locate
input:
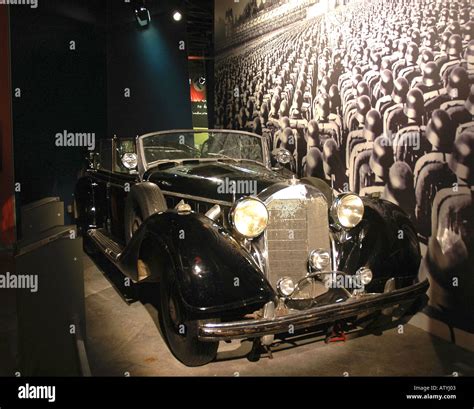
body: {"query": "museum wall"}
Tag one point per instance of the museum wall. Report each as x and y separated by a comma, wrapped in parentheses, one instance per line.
(59, 84)
(323, 80)
(7, 221)
(97, 73)
(147, 75)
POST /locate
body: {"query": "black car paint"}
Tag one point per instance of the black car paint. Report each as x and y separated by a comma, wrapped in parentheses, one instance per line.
(372, 243)
(205, 179)
(385, 241)
(215, 273)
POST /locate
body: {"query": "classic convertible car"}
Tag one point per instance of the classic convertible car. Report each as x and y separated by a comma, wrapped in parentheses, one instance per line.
(243, 249)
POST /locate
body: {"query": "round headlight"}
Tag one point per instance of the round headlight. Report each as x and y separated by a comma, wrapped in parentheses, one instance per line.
(319, 259)
(249, 217)
(364, 275)
(285, 286)
(347, 210)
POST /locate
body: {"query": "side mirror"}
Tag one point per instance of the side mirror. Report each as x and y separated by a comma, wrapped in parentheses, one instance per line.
(284, 160)
(282, 156)
(129, 160)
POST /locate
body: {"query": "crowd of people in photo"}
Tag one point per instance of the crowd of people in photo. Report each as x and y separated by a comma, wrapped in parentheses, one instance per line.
(257, 20)
(377, 98)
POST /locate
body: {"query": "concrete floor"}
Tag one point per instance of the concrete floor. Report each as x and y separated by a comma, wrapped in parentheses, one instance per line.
(125, 339)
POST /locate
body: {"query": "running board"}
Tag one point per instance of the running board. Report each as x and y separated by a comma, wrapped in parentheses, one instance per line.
(109, 247)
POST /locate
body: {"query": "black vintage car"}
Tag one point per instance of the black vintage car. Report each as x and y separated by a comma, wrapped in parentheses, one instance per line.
(241, 248)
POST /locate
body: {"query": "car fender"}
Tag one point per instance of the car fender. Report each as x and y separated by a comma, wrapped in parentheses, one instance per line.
(215, 273)
(384, 241)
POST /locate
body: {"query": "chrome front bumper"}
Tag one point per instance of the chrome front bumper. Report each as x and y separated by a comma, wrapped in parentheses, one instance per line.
(310, 317)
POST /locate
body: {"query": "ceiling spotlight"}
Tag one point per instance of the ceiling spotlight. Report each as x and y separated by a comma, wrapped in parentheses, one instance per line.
(143, 16)
(177, 16)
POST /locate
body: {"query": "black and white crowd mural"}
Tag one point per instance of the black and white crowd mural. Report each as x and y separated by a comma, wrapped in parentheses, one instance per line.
(374, 97)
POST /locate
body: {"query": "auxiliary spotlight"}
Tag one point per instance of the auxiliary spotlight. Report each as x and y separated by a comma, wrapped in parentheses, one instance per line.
(143, 16)
(177, 16)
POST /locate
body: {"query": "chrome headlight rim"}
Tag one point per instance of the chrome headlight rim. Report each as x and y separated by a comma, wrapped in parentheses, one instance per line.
(129, 160)
(320, 263)
(364, 276)
(280, 285)
(237, 206)
(336, 207)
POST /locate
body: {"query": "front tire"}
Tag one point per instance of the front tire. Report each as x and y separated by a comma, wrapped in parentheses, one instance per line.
(181, 332)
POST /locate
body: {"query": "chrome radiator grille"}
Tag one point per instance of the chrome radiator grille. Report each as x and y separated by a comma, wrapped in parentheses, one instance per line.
(295, 227)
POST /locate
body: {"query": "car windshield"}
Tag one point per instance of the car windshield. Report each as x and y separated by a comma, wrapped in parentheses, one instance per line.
(198, 145)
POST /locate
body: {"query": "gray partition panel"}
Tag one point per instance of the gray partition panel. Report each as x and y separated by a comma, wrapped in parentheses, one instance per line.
(50, 318)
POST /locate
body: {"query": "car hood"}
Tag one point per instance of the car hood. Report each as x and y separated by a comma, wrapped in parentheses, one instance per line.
(224, 181)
